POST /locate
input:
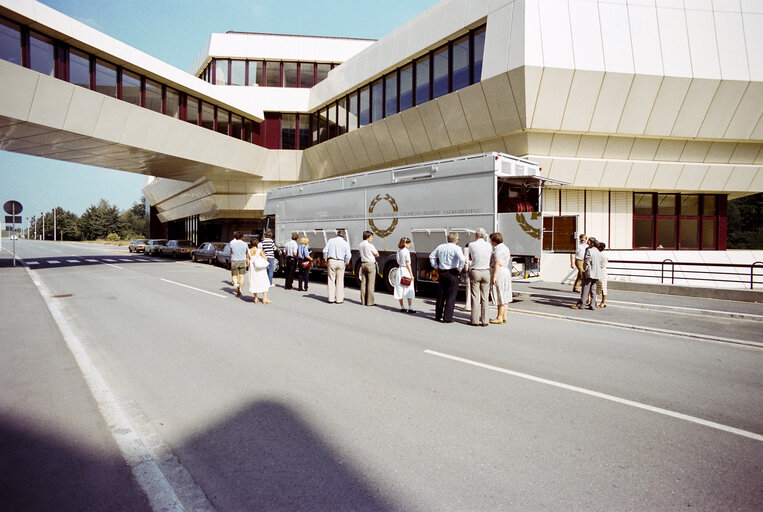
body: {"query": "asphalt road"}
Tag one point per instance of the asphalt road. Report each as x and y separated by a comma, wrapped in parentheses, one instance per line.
(304, 405)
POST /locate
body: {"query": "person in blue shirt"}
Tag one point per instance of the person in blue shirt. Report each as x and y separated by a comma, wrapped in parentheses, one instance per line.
(449, 261)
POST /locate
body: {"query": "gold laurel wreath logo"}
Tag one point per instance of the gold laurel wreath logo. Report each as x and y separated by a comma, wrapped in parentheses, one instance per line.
(382, 233)
(526, 227)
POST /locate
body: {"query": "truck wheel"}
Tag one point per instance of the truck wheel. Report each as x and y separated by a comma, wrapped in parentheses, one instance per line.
(390, 274)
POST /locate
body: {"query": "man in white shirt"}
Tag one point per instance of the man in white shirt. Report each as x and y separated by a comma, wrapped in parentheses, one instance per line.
(449, 260)
(337, 255)
(239, 260)
(479, 276)
(368, 255)
(592, 268)
(576, 261)
(290, 250)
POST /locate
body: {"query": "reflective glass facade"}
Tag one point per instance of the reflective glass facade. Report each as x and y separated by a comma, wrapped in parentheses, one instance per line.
(278, 74)
(677, 221)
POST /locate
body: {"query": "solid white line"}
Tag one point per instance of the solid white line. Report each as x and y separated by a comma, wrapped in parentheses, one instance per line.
(115, 266)
(611, 398)
(192, 288)
(136, 454)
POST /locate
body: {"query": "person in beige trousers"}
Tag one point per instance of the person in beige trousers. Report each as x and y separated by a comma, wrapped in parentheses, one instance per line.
(337, 255)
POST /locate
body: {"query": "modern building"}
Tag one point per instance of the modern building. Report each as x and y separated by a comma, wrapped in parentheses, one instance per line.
(649, 109)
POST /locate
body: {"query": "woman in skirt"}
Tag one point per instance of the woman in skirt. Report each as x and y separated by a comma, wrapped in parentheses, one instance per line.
(500, 279)
(404, 291)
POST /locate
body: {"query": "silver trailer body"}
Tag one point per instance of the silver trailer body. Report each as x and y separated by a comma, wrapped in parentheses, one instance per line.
(423, 202)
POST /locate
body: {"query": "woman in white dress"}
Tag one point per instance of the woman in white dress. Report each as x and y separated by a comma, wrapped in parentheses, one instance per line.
(404, 291)
(500, 279)
(258, 272)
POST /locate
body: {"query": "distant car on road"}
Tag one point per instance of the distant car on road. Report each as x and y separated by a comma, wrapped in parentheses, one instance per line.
(153, 245)
(177, 249)
(223, 256)
(137, 245)
(207, 252)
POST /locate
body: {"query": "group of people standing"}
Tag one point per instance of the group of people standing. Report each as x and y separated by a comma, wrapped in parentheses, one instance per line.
(591, 279)
(487, 261)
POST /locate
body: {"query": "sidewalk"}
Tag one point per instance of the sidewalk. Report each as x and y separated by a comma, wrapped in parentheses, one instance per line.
(56, 451)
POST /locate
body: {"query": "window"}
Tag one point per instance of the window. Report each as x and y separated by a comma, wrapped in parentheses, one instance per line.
(238, 72)
(288, 131)
(559, 233)
(306, 74)
(254, 73)
(41, 54)
(10, 42)
(131, 87)
(377, 100)
(290, 74)
(172, 103)
(479, 51)
(461, 77)
(207, 116)
(352, 114)
(79, 68)
(322, 72)
(247, 129)
(105, 78)
(422, 80)
(222, 121)
(304, 131)
(440, 76)
(689, 224)
(709, 222)
(323, 125)
(406, 87)
(235, 126)
(272, 74)
(153, 96)
(341, 116)
(674, 221)
(192, 110)
(314, 128)
(365, 106)
(390, 95)
(221, 71)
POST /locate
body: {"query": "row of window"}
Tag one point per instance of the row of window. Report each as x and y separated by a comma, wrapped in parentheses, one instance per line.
(48, 56)
(676, 221)
(265, 73)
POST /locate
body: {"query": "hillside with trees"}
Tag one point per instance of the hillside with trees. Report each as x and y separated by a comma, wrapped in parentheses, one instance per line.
(100, 221)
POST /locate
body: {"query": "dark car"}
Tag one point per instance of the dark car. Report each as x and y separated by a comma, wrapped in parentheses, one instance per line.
(207, 252)
(223, 256)
(177, 249)
(137, 245)
(153, 245)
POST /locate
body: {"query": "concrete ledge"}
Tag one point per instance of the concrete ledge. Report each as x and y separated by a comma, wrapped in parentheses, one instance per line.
(689, 291)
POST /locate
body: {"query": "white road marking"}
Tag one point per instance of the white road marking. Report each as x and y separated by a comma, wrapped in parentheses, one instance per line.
(109, 259)
(57, 251)
(92, 261)
(126, 260)
(32, 262)
(603, 396)
(115, 266)
(142, 259)
(136, 454)
(192, 288)
(56, 262)
(73, 261)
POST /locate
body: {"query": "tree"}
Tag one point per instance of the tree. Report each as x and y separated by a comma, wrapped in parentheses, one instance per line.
(745, 222)
(133, 222)
(99, 220)
(66, 225)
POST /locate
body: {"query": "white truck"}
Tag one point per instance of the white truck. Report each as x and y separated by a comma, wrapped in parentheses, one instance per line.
(423, 202)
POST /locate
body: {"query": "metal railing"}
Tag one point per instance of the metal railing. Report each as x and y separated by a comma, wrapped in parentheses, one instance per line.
(667, 269)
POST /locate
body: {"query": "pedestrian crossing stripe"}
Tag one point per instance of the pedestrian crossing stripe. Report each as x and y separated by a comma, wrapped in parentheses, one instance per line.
(32, 262)
(72, 261)
(125, 260)
(54, 261)
(109, 260)
(92, 261)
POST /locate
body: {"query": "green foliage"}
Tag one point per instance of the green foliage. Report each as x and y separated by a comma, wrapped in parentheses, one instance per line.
(112, 237)
(745, 223)
(98, 221)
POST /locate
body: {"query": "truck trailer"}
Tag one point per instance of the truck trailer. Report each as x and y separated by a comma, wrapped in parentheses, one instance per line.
(423, 202)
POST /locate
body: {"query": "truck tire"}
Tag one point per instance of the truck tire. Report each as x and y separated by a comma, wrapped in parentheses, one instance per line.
(390, 272)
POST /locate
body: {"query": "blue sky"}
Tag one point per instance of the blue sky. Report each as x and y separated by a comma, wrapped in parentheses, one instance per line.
(175, 31)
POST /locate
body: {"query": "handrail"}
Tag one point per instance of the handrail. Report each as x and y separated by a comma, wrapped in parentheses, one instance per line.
(752, 269)
(646, 270)
(672, 270)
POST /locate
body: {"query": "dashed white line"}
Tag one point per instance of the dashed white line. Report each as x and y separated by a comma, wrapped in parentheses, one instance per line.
(115, 266)
(192, 288)
(603, 396)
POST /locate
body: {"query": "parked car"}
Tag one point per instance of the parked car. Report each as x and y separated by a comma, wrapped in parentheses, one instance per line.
(223, 256)
(137, 245)
(207, 252)
(177, 248)
(153, 245)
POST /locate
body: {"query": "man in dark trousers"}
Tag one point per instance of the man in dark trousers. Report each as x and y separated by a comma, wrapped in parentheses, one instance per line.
(290, 249)
(449, 260)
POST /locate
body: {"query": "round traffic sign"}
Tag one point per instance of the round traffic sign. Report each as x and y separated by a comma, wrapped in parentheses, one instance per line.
(12, 207)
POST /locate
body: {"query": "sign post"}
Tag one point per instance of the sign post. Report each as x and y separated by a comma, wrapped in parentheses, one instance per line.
(12, 208)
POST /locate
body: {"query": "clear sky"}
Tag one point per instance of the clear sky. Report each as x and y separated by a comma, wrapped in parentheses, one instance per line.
(175, 31)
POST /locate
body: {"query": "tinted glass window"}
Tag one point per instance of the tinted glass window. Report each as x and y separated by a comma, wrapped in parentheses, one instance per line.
(288, 131)
(422, 80)
(642, 233)
(666, 233)
(10, 42)
(131, 87)
(406, 87)
(689, 204)
(237, 72)
(255, 73)
(341, 116)
(304, 131)
(106, 78)
(365, 105)
(207, 115)
(273, 74)
(192, 110)
(666, 204)
(689, 233)
(708, 205)
(221, 71)
(440, 73)
(642, 204)
(377, 95)
(390, 95)
(323, 72)
(461, 63)
(352, 120)
(222, 120)
(708, 233)
(306, 74)
(290, 74)
(172, 107)
(235, 126)
(79, 69)
(479, 50)
(41, 54)
(153, 95)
